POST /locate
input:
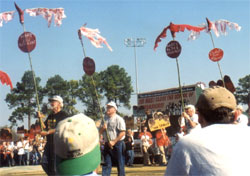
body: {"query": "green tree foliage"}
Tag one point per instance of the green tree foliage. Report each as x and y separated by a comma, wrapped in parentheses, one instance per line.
(243, 90)
(66, 89)
(116, 85)
(89, 89)
(23, 99)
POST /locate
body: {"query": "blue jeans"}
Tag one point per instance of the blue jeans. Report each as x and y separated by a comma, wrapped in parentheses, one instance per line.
(114, 155)
(130, 154)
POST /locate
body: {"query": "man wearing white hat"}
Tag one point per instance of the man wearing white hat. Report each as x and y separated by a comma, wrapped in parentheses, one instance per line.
(48, 160)
(191, 118)
(114, 148)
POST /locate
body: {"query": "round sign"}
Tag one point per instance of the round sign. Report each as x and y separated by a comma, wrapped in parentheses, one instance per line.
(216, 54)
(173, 49)
(27, 42)
(88, 66)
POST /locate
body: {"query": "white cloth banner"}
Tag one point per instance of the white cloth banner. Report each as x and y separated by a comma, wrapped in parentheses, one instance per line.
(6, 16)
(94, 36)
(219, 27)
(48, 14)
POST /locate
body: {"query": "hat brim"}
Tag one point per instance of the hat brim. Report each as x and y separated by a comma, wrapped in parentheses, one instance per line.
(81, 165)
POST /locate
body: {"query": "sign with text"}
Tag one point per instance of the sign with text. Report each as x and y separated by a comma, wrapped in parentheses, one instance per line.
(216, 54)
(89, 66)
(27, 42)
(169, 100)
(160, 123)
(173, 49)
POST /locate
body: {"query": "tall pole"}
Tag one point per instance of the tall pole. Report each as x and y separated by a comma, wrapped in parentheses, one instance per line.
(135, 42)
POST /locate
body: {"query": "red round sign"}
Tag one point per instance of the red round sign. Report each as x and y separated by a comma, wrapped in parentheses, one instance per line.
(173, 49)
(27, 42)
(89, 66)
(216, 54)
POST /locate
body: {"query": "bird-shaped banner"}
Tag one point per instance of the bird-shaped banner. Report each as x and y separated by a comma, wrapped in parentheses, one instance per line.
(176, 28)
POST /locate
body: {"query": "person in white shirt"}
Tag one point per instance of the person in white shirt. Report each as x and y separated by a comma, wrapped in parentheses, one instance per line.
(220, 147)
(145, 137)
(26, 150)
(191, 119)
(20, 152)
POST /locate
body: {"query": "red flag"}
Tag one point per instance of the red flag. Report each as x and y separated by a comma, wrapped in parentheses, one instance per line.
(20, 12)
(176, 28)
(5, 79)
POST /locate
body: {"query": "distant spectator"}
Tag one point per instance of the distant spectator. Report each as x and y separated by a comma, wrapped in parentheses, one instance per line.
(240, 118)
(163, 142)
(20, 153)
(146, 138)
(129, 142)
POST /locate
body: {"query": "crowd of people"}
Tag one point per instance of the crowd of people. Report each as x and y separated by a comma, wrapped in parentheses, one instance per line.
(22, 152)
(206, 143)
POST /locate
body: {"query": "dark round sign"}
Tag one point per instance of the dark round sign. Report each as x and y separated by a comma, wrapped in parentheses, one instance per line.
(216, 54)
(173, 49)
(27, 42)
(89, 66)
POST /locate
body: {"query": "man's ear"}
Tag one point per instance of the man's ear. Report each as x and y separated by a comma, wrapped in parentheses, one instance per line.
(202, 120)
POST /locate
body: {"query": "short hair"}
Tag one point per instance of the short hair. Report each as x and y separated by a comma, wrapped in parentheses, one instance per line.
(220, 115)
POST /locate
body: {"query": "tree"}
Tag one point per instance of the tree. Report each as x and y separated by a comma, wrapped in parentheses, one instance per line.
(243, 90)
(88, 88)
(23, 99)
(116, 85)
(66, 89)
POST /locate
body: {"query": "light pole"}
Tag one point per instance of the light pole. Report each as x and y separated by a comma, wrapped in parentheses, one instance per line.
(135, 42)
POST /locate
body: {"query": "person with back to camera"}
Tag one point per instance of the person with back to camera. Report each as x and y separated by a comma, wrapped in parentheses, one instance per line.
(77, 146)
(220, 147)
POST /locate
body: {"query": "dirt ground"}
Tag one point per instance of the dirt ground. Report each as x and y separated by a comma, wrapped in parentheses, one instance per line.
(137, 170)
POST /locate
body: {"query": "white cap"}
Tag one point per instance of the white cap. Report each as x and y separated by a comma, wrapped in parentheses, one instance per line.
(112, 104)
(57, 98)
(239, 107)
(77, 145)
(189, 107)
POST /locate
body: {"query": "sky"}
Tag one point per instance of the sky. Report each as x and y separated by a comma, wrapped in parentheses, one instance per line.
(58, 49)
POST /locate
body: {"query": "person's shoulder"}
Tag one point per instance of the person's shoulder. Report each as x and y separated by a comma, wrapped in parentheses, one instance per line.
(119, 117)
(63, 113)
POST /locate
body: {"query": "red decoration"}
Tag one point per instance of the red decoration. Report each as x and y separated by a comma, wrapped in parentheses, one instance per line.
(27, 42)
(216, 54)
(20, 12)
(89, 66)
(5, 79)
(176, 28)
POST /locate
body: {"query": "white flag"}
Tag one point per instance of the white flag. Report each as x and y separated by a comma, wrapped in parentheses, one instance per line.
(94, 36)
(6, 16)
